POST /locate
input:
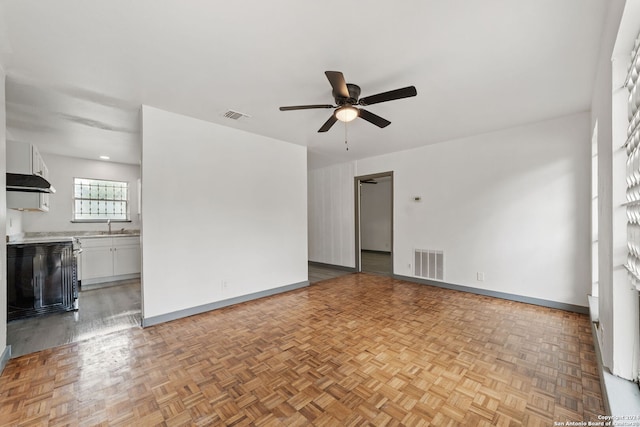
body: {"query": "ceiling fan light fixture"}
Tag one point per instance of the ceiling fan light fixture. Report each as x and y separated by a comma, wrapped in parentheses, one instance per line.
(347, 113)
(347, 96)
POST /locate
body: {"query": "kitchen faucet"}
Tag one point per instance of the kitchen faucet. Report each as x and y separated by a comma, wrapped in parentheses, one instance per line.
(109, 224)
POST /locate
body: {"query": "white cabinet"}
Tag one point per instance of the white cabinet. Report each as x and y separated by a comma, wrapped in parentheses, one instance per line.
(96, 258)
(24, 158)
(126, 255)
(37, 164)
(19, 158)
(105, 259)
(28, 201)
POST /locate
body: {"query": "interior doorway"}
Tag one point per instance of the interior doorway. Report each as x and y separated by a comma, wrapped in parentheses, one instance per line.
(374, 223)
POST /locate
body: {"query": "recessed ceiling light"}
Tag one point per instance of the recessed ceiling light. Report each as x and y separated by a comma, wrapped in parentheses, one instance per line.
(105, 157)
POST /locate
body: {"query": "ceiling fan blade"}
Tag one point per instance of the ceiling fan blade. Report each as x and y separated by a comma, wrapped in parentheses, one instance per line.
(337, 83)
(306, 107)
(327, 125)
(405, 92)
(374, 118)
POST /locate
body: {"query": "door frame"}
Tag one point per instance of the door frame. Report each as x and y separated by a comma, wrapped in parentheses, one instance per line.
(356, 185)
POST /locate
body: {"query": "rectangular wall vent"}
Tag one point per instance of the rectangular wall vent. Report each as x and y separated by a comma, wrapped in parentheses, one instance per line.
(234, 115)
(429, 264)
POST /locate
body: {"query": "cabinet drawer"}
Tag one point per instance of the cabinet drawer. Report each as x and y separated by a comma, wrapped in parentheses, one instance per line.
(96, 242)
(126, 241)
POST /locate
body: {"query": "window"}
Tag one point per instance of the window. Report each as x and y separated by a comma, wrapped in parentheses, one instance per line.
(100, 200)
(632, 146)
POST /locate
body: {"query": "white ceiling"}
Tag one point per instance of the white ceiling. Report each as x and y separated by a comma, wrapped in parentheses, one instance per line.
(77, 70)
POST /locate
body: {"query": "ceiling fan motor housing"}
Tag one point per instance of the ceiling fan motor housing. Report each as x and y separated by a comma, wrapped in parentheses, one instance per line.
(354, 95)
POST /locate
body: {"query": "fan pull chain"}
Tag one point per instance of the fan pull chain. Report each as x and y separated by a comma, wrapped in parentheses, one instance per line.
(346, 144)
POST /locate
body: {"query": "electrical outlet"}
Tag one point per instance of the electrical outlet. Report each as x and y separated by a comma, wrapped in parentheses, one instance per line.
(223, 285)
(409, 266)
(480, 276)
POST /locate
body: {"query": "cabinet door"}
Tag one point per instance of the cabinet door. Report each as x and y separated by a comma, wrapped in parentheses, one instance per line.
(28, 201)
(97, 262)
(39, 168)
(19, 158)
(44, 197)
(44, 202)
(126, 259)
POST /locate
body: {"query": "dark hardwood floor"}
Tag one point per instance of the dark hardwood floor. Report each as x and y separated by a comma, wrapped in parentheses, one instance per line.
(101, 311)
(318, 273)
(376, 262)
(358, 349)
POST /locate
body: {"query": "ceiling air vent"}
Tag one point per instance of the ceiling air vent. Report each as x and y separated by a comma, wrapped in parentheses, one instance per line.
(234, 115)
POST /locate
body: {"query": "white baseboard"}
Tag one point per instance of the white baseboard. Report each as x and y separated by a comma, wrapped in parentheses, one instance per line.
(150, 321)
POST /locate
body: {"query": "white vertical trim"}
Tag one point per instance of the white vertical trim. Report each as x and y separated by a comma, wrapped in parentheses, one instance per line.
(5, 351)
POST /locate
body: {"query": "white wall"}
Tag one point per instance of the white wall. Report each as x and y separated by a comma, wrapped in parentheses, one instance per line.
(512, 204)
(375, 216)
(62, 170)
(218, 205)
(14, 222)
(3, 216)
(332, 215)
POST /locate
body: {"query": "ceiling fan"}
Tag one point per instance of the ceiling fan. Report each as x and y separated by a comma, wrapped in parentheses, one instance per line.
(347, 95)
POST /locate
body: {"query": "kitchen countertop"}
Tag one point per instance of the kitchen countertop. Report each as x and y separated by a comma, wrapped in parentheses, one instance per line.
(93, 236)
(48, 237)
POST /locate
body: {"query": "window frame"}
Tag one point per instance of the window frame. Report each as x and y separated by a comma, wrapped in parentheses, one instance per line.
(99, 220)
(632, 205)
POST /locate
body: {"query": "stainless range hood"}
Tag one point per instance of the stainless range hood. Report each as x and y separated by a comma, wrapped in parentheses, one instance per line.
(28, 183)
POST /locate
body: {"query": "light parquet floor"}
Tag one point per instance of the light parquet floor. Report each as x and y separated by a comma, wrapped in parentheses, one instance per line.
(354, 350)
